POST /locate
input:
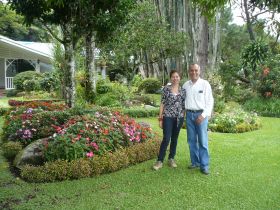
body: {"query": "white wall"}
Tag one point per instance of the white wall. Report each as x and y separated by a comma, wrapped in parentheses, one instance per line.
(45, 67)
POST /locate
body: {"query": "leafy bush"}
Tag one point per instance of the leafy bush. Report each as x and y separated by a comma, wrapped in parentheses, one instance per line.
(49, 82)
(103, 86)
(109, 100)
(20, 78)
(269, 107)
(219, 105)
(109, 162)
(236, 121)
(3, 111)
(87, 136)
(11, 149)
(144, 99)
(253, 55)
(137, 79)
(12, 93)
(150, 85)
(25, 124)
(31, 85)
(121, 91)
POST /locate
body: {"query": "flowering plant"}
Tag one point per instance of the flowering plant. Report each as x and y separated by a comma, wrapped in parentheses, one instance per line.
(27, 124)
(95, 134)
(235, 121)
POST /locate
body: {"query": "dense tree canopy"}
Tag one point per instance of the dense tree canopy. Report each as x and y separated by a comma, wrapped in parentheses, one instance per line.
(11, 26)
(145, 39)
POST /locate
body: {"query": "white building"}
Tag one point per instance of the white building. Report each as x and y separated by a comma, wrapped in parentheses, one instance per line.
(17, 56)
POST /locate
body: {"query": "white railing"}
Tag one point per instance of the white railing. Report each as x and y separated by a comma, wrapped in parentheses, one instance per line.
(10, 83)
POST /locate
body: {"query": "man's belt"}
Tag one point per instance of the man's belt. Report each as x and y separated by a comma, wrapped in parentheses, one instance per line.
(194, 111)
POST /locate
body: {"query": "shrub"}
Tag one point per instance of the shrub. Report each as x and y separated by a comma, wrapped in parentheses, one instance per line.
(49, 81)
(12, 93)
(219, 105)
(141, 112)
(144, 99)
(103, 86)
(76, 169)
(66, 147)
(27, 124)
(109, 100)
(150, 85)
(20, 78)
(87, 136)
(269, 107)
(136, 81)
(121, 91)
(31, 85)
(58, 170)
(11, 149)
(80, 168)
(236, 121)
(3, 111)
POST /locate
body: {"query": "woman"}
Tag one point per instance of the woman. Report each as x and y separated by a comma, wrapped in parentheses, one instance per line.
(171, 118)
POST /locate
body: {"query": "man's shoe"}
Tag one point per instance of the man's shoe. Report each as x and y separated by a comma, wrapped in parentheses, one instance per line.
(157, 165)
(205, 172)
(172, 163)
(192, 167)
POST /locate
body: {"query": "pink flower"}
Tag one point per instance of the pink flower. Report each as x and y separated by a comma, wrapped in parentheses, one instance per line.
(94, 145)
(90, 154)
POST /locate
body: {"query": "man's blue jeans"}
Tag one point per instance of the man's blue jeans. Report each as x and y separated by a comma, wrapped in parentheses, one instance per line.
(171, 129)
(198, 140)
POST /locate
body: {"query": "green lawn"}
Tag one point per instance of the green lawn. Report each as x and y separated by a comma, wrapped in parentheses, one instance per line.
(4, 102)
(245, 172)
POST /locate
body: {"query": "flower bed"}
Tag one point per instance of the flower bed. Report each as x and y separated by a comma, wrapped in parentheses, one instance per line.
(76, 138)
(235, 121)
(32, 125)
(13, 102)
(86, 136)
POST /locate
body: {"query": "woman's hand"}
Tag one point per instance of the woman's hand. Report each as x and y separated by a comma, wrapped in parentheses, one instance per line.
(160, 124)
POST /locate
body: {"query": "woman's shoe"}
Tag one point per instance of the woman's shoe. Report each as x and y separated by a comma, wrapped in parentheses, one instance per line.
(157, 165)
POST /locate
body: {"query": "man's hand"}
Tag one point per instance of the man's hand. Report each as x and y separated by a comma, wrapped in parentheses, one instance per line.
(199, 119)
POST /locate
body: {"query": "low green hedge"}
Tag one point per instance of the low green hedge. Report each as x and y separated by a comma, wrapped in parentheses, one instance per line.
(141, 112)
(11, 149)
(81, 168)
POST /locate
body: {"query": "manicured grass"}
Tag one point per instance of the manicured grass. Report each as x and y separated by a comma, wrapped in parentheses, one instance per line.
(4, 102)
(244, 168)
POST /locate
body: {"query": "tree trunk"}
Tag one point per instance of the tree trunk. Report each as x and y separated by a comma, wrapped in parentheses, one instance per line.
(69, 75)
(214, 47)
(90, 82)
(248, 21)
(182, 16)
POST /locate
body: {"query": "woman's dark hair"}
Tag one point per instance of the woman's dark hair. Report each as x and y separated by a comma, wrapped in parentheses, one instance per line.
(172, 72)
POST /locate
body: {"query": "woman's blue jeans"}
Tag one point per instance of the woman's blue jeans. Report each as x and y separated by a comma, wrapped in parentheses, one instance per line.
(171, 129)
(198, 140)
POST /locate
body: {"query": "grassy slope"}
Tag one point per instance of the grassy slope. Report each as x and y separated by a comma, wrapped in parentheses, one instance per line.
(245, 172)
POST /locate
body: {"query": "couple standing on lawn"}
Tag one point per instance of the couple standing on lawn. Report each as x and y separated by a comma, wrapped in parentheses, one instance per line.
(196, 100)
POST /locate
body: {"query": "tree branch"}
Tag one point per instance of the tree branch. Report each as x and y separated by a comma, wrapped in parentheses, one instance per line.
(51, 32)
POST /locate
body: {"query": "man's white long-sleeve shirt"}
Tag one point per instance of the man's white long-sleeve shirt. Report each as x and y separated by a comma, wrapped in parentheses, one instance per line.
(199, 96)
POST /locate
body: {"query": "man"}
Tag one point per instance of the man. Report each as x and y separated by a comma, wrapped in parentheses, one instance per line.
(199, 104)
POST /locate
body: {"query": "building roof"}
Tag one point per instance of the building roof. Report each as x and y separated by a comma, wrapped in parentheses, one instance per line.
(25, 50)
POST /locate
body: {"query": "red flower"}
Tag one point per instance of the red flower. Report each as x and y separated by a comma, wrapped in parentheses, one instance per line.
(265, 71)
